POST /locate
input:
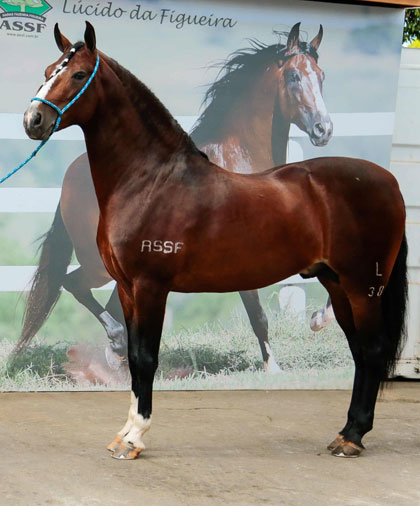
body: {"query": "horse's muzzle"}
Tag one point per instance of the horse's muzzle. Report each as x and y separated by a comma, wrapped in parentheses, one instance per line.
(38, 123)
(321, 132)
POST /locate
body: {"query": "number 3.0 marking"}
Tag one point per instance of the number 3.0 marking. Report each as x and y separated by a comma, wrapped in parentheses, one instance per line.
(372, 291)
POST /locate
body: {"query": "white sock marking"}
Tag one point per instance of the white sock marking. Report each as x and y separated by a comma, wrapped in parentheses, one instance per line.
(139, 427)
(271, 365)
(131, 414)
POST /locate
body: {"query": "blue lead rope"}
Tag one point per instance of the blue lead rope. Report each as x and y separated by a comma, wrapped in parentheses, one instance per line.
(60, 113)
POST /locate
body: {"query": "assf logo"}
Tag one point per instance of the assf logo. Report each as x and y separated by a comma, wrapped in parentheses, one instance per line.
(25, 16)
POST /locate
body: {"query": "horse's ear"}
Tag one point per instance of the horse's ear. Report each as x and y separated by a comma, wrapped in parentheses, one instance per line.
(316, 41)
(62, 42)
(90, 37)
(293, 39)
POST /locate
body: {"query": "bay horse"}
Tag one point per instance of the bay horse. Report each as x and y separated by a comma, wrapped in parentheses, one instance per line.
(171, 220)
(260, 91)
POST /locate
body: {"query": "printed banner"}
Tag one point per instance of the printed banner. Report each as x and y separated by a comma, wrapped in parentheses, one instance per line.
(217, 67)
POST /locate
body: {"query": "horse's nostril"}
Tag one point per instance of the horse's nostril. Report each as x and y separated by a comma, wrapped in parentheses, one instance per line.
(37, 119)
(319, 129)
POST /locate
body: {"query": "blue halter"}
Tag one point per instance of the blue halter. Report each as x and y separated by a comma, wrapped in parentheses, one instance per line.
(60, 113)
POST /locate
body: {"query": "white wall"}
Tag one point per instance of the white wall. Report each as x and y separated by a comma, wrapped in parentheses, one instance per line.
(405, 164)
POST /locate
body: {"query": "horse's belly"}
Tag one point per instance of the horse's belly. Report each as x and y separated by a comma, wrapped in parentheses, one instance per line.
(241, 269)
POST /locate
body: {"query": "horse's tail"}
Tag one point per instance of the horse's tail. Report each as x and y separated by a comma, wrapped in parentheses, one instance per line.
(394, 306)
(56, 251)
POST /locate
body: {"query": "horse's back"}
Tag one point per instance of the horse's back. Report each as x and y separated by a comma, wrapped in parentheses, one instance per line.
(338, 168)
(347, 168)
(361, 183)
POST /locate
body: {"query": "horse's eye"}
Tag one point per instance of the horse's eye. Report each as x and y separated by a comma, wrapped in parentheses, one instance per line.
(79, 75)
(293, 76)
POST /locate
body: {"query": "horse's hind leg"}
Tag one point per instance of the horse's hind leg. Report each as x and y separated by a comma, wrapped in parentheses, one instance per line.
(344, 315)
(114, 307)
(79, 285)
(361, 319)
(259, 323)
(321, 319)
(369, 346)
(119, 339)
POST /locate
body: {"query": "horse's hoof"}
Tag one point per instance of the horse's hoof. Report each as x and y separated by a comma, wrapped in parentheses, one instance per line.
(115, 444)
(317, 320)
(126, 452)
(114, 360)
(336, 443)
(347, 449)
(271, 367)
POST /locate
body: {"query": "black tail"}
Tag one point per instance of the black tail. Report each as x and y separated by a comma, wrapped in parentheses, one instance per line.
(394, 305)
(56, 251)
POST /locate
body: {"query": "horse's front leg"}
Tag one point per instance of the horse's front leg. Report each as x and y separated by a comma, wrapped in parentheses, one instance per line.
(144, 324)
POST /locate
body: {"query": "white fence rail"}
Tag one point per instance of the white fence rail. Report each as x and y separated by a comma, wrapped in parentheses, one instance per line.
(345, 125)
(29, 200)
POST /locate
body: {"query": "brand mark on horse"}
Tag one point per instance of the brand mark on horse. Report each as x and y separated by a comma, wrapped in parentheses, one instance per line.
(161, 246)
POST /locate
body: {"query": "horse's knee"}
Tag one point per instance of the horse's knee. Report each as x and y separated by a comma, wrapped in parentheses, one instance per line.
(143, 364)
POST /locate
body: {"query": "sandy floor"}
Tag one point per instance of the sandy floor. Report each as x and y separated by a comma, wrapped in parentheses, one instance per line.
(208, 448)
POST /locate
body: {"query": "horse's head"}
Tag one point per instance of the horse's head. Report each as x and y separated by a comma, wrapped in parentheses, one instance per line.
(300, 90)
(64, 79)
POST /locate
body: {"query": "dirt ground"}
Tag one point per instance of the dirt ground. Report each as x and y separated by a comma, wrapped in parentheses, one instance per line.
(208, 448)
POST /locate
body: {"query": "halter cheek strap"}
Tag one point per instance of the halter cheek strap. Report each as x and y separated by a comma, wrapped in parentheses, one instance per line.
(60, 113)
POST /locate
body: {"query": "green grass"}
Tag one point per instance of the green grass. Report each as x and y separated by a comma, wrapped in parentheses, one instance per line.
(41, 359)
(217, 356)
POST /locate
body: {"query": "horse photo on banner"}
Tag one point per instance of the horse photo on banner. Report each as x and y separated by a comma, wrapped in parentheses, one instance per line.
(255, 87)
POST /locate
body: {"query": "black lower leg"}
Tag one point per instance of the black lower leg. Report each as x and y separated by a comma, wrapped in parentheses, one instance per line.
(143, 362)
(362, 411)
(257, 318)
(357, 384)
(144, 335)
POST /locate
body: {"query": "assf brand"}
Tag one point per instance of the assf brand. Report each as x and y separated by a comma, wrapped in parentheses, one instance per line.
(30, 15)
(19, 26)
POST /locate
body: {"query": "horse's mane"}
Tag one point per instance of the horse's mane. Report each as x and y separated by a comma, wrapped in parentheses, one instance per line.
(236, 74)
(152, 111)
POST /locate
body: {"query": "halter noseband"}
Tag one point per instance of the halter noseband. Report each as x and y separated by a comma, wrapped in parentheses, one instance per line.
(60, 113)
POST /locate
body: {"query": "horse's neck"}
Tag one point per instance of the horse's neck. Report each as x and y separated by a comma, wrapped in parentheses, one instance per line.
(279, 137)
(130, 145)
(245, 141)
